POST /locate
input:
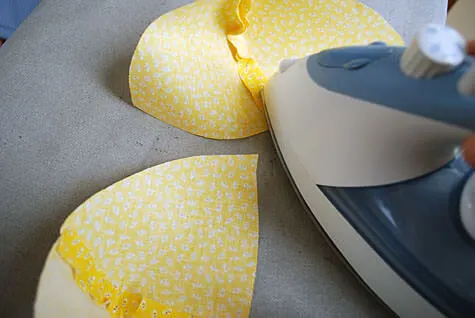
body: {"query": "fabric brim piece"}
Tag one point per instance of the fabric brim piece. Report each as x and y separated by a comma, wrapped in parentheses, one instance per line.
(201, 67)
(183, 73)
(176, 240)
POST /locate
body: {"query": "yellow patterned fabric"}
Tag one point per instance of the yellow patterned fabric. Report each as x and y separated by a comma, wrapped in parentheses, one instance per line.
(200, 68)
(183, 73)
(176, 240)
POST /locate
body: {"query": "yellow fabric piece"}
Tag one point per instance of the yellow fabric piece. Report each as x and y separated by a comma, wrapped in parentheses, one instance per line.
(183, 73)
(277, 29)
(200, 68)
(176, 240)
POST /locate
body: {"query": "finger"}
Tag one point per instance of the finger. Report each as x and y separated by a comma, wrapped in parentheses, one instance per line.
(471, 47)
(468, 150)
(468, 147)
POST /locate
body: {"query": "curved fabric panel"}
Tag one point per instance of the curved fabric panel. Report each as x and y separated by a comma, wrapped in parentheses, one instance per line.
(183, 73)
(176, 240)
(201, 67)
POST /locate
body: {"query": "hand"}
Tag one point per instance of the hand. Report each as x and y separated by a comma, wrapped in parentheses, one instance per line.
(468, 147)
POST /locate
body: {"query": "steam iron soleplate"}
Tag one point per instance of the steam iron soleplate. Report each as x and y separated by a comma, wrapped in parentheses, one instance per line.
(357, 253)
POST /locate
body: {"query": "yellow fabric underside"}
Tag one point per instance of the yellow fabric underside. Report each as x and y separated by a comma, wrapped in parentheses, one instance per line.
(200, 67)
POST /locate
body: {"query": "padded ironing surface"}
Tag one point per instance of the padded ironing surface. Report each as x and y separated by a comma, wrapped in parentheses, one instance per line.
(68, 130)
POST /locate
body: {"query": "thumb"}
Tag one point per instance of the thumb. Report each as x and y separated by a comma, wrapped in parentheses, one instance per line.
(468, 147)
(471, 47)
(468, 150)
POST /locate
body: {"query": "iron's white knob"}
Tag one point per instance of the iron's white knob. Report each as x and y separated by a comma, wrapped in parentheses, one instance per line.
(435, 49)
(466, 84)
(467, 207)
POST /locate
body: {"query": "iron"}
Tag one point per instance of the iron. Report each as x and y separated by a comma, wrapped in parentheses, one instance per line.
(369, 136)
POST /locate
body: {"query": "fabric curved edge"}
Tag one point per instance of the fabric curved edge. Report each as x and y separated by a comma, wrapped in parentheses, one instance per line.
(229, 136)
(251, 74)
(59, 296)
(92, 283)
(243, 67)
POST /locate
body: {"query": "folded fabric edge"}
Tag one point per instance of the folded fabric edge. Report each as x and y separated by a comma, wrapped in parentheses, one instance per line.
(249, 71)
(103, 292)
